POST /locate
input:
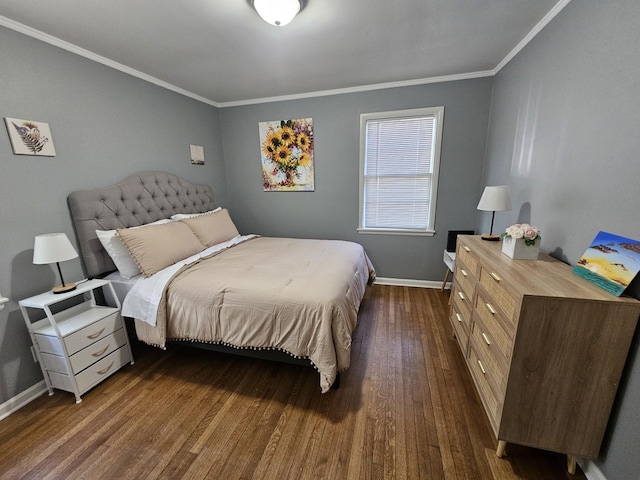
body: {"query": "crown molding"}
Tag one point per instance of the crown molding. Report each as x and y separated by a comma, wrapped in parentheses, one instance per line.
(532, 34)
(32, 32)
(361, 88)
(70, 47)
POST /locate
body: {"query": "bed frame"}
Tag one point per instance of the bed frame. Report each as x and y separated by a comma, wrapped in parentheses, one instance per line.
(137, 200)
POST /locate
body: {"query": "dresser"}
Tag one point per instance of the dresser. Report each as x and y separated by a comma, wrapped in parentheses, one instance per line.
(78, 337)
(545, 348)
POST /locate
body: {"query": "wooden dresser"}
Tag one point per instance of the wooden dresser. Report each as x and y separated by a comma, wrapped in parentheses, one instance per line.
(545, 347)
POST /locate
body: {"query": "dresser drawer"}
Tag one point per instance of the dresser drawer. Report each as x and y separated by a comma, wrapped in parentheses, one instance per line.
(461, 321)
(492, 405)
(458, 295)
(498, 330)
(501, 298)
(495, 365)
(464, 279)
(466, 255)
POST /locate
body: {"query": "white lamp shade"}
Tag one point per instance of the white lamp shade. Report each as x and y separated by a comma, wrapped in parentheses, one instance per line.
(277, 12)
(52, 248)
(495, 199)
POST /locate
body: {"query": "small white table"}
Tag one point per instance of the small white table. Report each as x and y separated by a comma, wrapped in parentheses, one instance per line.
(449, 260)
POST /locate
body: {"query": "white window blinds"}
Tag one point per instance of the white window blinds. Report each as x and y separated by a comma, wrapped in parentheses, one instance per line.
(399, 167)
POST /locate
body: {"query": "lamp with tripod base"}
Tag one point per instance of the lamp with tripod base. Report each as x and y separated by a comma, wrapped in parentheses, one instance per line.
(494, 199)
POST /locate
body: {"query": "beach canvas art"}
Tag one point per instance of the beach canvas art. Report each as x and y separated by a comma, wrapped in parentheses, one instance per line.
(611, 262)
(286, 148)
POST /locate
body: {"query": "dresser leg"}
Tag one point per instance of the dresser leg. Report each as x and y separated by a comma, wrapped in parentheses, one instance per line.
(571, 464)
(500, 450)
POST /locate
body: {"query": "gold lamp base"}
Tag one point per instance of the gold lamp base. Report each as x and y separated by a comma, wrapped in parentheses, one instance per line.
(64, 288)
(489, 237)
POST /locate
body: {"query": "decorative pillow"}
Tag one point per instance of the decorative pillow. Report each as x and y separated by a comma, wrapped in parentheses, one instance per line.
(213, 228)
(155, 247)
(181, 216)
(119, 253)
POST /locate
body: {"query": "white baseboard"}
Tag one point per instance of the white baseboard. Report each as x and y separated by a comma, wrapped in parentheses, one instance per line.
(591, 471)
(404, 282)
(20, 400)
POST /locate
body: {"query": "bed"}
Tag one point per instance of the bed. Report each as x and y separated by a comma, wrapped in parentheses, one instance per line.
(199, 281)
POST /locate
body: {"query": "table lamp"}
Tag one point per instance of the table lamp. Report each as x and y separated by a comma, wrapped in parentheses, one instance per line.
(54, 248)
(494, 199)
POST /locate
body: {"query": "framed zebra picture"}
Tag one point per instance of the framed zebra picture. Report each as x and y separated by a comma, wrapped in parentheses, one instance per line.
(30, 138)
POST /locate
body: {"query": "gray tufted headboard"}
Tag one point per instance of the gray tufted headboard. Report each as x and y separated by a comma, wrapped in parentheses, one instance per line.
(139, 199)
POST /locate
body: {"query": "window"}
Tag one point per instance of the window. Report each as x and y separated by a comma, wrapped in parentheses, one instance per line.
(399, 160)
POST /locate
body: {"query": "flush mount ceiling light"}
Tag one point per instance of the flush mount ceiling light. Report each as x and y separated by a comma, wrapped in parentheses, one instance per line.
(277, 12)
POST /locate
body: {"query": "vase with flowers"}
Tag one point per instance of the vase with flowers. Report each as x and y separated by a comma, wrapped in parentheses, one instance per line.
(521, 241)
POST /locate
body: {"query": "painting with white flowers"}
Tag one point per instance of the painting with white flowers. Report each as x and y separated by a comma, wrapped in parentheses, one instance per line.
(30, 138)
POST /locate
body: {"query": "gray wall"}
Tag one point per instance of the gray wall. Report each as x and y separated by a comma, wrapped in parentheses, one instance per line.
(331, 211)
(105, 125)
(564, 135)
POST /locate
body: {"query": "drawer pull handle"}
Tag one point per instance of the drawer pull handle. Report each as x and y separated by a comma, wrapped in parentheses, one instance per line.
(484, 372)
(96, 335)
(466, 249)
(461, 295)
(459, 317)
(463, 272)
(98, 354)
(490, 308)
(105, 370)
(486, 338)
(495, 276)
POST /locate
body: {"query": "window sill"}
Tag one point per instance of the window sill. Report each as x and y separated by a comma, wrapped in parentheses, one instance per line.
(389, 231)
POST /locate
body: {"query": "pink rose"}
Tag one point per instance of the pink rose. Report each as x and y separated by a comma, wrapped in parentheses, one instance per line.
(530, 233)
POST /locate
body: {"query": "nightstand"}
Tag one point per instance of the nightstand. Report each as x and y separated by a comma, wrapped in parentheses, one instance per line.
(449, 260)
(79, 342)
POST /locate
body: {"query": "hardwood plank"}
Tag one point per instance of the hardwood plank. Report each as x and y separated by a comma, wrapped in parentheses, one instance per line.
(406, 409)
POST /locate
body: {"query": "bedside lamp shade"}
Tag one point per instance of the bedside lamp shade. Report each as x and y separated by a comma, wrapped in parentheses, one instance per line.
(494, 199)
(54, 248)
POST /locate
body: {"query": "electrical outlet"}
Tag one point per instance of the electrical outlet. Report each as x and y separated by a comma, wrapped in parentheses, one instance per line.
(33, 352)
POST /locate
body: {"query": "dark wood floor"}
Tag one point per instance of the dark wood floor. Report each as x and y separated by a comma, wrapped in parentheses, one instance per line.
(406, 409)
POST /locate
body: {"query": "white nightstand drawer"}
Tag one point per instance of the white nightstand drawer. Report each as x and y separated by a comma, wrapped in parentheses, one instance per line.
(102, 369)
(82, 338)
(92, 333)
(54, 363)
(96, 351)
(87, 356)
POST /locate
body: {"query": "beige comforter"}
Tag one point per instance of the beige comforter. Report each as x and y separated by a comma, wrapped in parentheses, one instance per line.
(298, 296)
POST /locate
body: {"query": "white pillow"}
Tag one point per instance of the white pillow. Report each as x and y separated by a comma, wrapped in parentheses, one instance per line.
(118, 251)
(182, 216)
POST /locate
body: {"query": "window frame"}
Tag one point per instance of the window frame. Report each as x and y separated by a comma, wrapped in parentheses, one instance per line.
(438, 115)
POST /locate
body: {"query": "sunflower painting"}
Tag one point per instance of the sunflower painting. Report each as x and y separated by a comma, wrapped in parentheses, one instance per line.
(287, 154)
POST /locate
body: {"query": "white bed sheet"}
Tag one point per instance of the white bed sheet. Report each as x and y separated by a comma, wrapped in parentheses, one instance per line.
(143, 298)
(122, 285)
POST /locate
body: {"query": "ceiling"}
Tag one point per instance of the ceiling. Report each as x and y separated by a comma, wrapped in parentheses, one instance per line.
(223, 53)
